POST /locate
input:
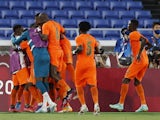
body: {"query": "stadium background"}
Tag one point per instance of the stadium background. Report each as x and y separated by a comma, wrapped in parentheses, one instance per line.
(107, 18)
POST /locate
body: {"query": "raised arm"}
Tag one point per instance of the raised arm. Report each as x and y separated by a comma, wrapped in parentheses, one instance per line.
(20, 39)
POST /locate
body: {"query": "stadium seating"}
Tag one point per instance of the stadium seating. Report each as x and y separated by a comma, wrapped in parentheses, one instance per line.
(97, 34)
(111, 34)
(34, 5)
(101, 5)
(17, 5)
(25, 14)
(82, 5)
(68, 23)
(118, 5)
(76, 14)
(134, 5)
(9, 14)
(126, 15)
(4, 5)
(146, 33)
(67, 5)
(110, 14)
(142, 14)
(117, 23)
(5, 23)
(149, 22)
(30, 21)
(71, 34)
(59, 14)
(100, 13)
(89, 14)
(50, 5)
(101, 23)
(19, 21)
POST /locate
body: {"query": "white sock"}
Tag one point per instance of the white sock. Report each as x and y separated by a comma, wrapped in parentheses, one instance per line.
(46, 95)
(84, 105)
(95, 105)
(44, 105)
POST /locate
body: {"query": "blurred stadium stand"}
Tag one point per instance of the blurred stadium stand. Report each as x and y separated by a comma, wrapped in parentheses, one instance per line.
(106, 16)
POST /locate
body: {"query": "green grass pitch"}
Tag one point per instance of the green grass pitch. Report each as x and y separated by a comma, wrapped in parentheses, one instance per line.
(86, 116)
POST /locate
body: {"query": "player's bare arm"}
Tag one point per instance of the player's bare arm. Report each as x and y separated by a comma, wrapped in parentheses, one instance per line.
(143, 43)
(78, 50)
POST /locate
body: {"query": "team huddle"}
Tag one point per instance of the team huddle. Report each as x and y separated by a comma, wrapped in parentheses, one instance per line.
(41, 55)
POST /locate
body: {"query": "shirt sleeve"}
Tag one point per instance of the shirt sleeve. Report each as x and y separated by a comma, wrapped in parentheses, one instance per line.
(17, 41)
(78, 41)
(62, 29)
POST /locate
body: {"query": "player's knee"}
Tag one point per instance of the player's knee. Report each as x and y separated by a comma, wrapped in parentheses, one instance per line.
(136, 82)
(126, 81)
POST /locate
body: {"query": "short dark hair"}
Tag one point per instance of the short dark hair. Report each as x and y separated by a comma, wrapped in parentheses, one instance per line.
(17, 26)
(155, 23)
(84, 26)
(135, 22)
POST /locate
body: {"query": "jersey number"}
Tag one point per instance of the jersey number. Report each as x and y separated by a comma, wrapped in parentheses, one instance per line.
(89, 48)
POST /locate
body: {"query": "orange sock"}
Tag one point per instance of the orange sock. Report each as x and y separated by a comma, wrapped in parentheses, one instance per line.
(34, 93)
(13, 97)
(94, 93)
(123, 93)
(80, 92)
(19, 93)
(63, 84)
(71, 70)
(26, 95)
(140, 92)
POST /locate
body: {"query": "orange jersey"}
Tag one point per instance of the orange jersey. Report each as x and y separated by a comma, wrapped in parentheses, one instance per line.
(67, 49)
(136, 44)
(89, 43)
(53, 29)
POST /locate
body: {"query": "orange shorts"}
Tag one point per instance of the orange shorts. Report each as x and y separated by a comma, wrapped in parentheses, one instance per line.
(21, 77)
(136, 70)
(56, 58)
(84, 76)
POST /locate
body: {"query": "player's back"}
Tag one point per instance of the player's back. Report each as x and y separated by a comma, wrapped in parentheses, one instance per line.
(52, 29)
(89, 43)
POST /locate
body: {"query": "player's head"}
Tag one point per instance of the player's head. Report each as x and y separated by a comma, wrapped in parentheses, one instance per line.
(133, 25)
(17, 29)
(41, 18)
(84, 27)
(36, 18)
(156, 28)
